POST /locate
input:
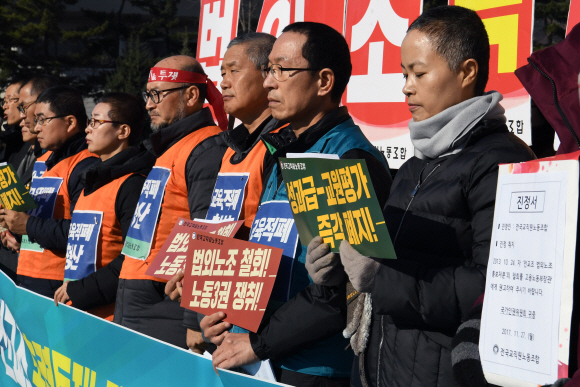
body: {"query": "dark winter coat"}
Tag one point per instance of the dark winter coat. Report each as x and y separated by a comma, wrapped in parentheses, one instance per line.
(439, 214)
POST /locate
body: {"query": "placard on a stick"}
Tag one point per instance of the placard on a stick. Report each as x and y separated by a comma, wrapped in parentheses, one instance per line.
(336, 200)
(229, 275)
(172, 255)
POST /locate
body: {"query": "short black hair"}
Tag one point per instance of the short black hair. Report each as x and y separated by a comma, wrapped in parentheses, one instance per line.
(458, 34)
(126, 109)
(259, 46)
(65, 101)
(325, 47)
(39, 83)
(196, 68)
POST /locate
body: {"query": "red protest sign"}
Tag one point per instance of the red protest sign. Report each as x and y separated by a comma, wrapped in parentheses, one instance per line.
(229, 275)
(171, 257)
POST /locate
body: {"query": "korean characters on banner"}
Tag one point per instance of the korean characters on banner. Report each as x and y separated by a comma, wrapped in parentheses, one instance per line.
(509, 25)
(229, 275)
(172, 255)
(277, 14)
(218, 22)
(228, 196)
(573, 15)
(374, 31)
(336, 200)
(81, 249)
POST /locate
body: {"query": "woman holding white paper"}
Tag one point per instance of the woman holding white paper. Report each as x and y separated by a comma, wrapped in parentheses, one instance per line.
(439, 213)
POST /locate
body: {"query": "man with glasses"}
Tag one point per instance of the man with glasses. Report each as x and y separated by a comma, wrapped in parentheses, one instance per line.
(59, 119)
(308, 72)
(189, 151)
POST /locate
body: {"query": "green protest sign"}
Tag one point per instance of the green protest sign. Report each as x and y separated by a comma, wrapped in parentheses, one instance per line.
(336, 200)
(13, 195)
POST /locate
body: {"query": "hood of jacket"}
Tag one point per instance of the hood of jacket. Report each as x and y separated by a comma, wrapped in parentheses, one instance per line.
(242, 142)
(551, 78)
(71, 147)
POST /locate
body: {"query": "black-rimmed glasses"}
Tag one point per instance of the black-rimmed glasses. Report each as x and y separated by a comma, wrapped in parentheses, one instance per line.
(44, 120)
(156, 95)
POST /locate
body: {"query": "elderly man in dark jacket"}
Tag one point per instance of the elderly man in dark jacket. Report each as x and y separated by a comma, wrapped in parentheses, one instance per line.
(439, 212)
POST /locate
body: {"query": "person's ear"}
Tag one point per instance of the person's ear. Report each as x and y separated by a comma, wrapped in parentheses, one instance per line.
(124, 132)
(468, 71)
(192, 95)
(326, 81)
(71, 123)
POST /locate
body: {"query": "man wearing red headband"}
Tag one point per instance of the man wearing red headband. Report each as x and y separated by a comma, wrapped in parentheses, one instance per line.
(189, 152)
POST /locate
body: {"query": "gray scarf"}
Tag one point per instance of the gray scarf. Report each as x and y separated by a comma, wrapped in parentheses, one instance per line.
(445, 133)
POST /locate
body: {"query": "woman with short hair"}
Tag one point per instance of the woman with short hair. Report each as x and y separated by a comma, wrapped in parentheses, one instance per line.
(105, 208)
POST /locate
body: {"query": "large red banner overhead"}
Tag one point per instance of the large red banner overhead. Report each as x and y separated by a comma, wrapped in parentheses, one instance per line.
(573, 15)
(374, 31)
(509, 25)
(218, 21)
(277, 14)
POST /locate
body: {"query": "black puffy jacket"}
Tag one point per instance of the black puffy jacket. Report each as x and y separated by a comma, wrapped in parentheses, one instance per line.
(440, 215)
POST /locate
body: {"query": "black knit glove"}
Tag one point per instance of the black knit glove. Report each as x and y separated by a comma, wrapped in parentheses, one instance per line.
(558, 383)
(465, 351)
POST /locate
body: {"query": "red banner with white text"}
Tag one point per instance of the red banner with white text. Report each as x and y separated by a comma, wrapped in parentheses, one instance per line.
(277, 14)
(374, 31)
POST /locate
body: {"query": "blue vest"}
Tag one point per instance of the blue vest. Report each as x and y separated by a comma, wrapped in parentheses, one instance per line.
(327, 357)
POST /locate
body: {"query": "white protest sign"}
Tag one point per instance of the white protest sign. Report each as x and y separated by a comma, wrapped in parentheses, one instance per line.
(525, 325)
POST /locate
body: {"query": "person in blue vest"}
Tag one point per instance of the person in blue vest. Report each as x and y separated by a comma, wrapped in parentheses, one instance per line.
(309, 68)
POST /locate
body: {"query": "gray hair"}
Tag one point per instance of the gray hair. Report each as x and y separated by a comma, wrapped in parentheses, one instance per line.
(259, 45)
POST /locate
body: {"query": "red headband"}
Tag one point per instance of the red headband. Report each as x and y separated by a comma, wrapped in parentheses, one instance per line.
(214, 97)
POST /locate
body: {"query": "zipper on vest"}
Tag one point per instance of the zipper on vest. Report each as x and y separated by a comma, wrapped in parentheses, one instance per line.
(417, 187)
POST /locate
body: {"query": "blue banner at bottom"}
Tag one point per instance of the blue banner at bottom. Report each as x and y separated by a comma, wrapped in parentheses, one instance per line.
(45, 345)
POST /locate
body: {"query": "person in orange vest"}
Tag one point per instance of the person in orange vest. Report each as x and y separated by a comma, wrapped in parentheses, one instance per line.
(238, 187)
(189, 152)
(59, 114)
(105, 208)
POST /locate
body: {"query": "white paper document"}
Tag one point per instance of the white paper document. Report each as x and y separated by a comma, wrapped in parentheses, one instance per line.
(521, 311)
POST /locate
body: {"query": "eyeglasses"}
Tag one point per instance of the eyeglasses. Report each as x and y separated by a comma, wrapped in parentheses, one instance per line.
(93, 122)
(9, 100)
(280, 73)
(23, 107)
(44, 120)
(156, 96)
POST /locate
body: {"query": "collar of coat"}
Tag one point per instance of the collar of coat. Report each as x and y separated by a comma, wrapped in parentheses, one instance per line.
(242, 142)
(71, 147)
(135, 159)
(285, 141)
(163, 139)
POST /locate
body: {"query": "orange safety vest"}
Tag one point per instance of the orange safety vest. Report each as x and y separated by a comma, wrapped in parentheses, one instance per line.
(110, 237)
(176, 205)
(253, 164)
(44, 263)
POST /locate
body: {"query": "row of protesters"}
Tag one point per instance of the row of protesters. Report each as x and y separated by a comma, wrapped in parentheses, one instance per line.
(22, 157)
(439, 212)
(58, 119)
(306, 73)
